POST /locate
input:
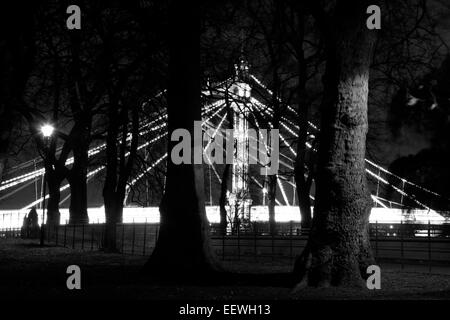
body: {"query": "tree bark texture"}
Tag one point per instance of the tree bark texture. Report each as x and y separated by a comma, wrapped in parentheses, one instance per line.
(183, 246)
(338, 250)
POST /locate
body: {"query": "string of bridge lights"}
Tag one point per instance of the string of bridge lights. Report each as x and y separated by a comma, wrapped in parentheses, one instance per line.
(257, 161)
(10, 183)
(264, 108)
(402, 192)
(217, 107)
(99, 169)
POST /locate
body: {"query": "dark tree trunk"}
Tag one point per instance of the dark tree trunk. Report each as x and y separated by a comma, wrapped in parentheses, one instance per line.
(54, 184)
(109, 189)
(118, 167)
(80, 134)
(78, 183)
(223, 199)
(113, 213)
(338, 250)
(302, 182)
(118, 171)
(183, 247)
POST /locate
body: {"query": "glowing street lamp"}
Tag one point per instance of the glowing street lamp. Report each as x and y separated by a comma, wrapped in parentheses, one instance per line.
(47, 131)
(264, 191)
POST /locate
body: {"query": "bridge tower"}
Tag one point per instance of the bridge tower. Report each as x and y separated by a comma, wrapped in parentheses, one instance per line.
(239, 198)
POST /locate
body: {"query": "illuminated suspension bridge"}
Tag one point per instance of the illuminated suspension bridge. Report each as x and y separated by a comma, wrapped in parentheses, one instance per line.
(243, 96)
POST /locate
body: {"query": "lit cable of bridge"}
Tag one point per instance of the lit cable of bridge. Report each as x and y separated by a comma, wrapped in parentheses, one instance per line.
(368, 161)
(278, 179)
(139, 176)
(295, 186)
(397, 189)
(17, 190)
(128, 153)
(39, 172)
(209, 143)
(262, 188)
(91, 173)
(265, 145)
(6, 184)
(405, 180)
(378, 201)
(281, 136)
(279, 99)
(390, 202)
(160, 159)
(282, 191)
(39, 159)
(251, 155)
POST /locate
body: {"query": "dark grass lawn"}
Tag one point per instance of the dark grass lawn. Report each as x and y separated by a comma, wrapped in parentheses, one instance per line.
(29, 271)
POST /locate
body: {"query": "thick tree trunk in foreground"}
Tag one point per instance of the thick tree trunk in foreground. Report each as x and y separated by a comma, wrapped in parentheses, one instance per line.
(338, 251)
(183, 246)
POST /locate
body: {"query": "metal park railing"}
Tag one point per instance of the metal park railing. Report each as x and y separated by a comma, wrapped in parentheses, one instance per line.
(7, 233)
(401, 243)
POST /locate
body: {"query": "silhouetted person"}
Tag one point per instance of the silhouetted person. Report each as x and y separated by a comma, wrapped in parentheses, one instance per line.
(33, 218)
(31, 225)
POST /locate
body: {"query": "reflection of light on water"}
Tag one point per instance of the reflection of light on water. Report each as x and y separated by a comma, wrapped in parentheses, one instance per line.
(14, 218)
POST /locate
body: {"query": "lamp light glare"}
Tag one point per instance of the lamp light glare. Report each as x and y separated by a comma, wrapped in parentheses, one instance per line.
(47, 130)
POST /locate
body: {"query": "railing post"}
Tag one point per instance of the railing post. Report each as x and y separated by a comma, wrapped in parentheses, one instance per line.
(82, 236)
(133, 240)
(401, 243)
(65, 234)
(254, 241)
(123, 237)
(239, 241)
(92, 238)
(290, 241)
(273, 245)
(223, 244)
(73, 235)
(376, 239)
(102, 234)
(145, 236)
(429, 246)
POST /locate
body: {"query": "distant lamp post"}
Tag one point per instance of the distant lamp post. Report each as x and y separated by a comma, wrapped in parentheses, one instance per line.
(47, 131)
(264, 191)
